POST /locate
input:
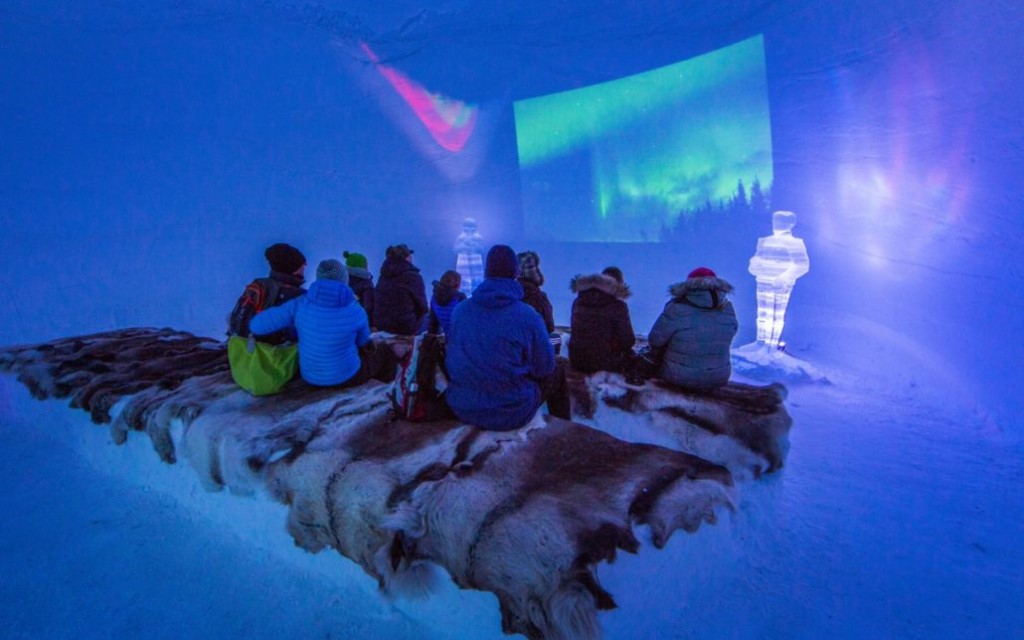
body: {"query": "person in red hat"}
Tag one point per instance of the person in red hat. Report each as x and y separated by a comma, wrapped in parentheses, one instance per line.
(695, 332)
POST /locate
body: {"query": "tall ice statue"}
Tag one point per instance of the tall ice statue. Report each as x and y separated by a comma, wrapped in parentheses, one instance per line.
(780, 259)
(470, 262)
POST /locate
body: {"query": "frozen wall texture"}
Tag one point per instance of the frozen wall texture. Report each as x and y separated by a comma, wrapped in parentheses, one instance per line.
(148, 155)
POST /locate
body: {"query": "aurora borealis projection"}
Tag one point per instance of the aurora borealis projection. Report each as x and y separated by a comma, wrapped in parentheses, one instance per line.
(630, 160)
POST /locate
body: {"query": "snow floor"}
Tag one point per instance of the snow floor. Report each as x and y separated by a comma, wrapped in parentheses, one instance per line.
(895, 517)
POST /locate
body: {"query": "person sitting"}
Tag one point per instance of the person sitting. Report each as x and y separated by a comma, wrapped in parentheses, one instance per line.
(334, 335)
(287, 275)
(360, 280)
(400, 297)
(500, 362)
(447, 294)
(602, 334)
(531, 279)
(696, 330)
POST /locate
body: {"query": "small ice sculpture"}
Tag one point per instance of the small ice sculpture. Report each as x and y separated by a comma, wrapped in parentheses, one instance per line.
(779, 261)
(470, 262)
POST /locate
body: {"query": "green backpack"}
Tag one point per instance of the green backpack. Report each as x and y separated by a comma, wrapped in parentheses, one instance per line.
(261, 369)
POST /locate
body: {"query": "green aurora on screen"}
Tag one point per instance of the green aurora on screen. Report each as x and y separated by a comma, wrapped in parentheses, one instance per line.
(625, 160)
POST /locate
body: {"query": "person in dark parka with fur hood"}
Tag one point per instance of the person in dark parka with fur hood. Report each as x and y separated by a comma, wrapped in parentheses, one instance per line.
(602, 334)
(400, 297)
(696, 329)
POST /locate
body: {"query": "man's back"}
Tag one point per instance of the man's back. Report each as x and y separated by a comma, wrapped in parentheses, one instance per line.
(497, 351)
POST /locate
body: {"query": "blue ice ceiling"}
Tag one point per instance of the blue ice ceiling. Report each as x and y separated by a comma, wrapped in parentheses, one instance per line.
(149, 153)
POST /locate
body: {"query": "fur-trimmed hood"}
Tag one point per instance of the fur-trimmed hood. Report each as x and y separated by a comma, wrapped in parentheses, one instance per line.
(601, 282)
(445, 294)
(693, 285)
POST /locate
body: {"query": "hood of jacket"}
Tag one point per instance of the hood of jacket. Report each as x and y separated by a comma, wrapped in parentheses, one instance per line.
(705, 292)
(600, 282)
(330, 294)
(497, 292)
(443, 293)
(393, 266)
(359, 272)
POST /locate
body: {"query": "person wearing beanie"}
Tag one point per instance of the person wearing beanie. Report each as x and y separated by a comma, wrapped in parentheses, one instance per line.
(695, 332)
(532, 280)
(287, 275)
(400, 297)
(361, 281)
(334, 333)
(285, 259)
(500, 361)
(447, 294)
(602, 333)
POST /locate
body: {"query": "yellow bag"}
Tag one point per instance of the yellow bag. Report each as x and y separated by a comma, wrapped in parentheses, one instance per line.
(259, 368)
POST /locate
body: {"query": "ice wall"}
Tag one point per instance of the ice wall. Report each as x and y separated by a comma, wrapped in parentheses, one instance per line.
(149, 154)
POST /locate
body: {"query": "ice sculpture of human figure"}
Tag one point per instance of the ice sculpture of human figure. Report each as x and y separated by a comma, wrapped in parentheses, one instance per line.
(780, 259)
(470, 262)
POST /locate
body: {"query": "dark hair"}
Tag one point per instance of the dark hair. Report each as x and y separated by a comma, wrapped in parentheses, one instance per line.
(616, 273)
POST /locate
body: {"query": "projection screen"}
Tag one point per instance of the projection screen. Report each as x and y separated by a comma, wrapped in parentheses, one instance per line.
(651, 157)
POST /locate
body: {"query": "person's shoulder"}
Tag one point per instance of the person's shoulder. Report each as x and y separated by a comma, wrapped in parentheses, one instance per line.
(618, 305)
(412, 273)
(675, 308)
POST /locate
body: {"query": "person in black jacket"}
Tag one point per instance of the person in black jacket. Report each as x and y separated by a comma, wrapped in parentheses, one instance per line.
(602, 334)
(360, 280)
(400, 297)
(532, 280)
(287, 275)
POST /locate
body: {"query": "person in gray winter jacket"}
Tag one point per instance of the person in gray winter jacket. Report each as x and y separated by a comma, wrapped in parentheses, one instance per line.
(695, 330)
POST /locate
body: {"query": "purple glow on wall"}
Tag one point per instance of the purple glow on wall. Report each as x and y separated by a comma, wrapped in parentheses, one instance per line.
(449, 122)
(901, 170)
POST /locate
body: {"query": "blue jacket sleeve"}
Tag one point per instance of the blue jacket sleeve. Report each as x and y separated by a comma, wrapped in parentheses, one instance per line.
(275, 318)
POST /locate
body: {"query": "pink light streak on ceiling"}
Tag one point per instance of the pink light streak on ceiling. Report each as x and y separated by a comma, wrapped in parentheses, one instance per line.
(449, 122)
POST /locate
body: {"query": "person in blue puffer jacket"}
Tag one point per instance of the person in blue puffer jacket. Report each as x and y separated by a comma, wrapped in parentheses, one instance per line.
(333, 330)
(500, 360)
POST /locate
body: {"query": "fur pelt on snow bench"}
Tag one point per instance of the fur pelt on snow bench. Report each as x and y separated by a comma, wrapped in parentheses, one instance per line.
(744, 427)
(525, 514)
